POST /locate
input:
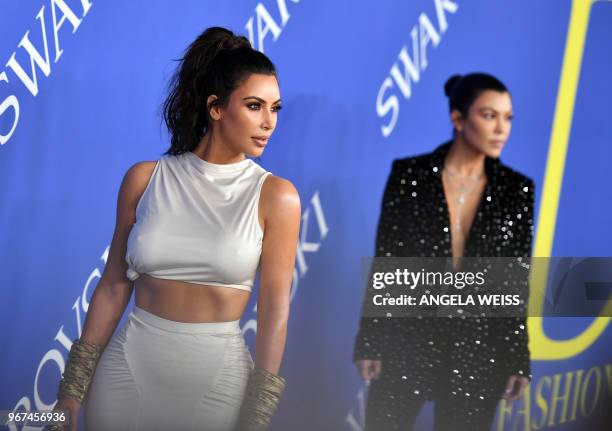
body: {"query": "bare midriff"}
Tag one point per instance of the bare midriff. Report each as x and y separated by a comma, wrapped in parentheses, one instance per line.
(189, 302)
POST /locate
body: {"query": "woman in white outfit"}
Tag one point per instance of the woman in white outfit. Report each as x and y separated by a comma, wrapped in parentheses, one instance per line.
(192, 229)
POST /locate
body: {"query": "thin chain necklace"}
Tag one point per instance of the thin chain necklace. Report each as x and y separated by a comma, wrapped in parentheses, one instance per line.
(463, 186)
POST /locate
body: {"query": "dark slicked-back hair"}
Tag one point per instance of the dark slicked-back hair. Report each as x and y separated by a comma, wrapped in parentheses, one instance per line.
(463, 90)
(216, 63)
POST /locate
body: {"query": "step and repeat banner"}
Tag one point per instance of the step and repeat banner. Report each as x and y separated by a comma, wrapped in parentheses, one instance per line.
(81, 84)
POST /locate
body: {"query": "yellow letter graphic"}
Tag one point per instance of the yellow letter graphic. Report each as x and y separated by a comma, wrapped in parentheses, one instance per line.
(542, 347)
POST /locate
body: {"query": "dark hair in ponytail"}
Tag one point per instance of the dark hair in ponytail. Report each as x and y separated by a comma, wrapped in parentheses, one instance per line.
(217, 62)
(463, 90)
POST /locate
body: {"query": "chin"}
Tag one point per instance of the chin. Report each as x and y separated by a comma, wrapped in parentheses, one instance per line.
(255, 152)
(494, 153)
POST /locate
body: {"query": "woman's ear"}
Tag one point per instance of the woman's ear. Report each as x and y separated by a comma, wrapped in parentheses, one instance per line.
(457, 120)
(214, 111)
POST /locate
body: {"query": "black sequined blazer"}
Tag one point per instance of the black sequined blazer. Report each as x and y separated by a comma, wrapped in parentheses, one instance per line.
(431, 354)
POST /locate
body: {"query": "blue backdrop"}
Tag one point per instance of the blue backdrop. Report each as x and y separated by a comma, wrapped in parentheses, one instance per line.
(81, 82)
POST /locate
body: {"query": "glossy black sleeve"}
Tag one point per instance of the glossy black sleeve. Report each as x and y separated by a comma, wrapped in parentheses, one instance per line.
(514, 332)
(374, 332)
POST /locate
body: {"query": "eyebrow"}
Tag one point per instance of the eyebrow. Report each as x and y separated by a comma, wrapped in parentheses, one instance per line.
(259, 99)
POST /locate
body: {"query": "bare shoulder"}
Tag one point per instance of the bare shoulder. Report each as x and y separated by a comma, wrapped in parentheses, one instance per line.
(279, 193)
(133, 186)
(138, 175)
(136, 179)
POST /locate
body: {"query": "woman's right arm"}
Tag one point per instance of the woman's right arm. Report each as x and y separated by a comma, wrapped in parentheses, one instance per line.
(113, 291)
(370, 340)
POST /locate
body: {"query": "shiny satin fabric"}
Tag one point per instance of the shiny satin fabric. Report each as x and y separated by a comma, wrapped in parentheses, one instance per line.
(198, 222)
(157, 374)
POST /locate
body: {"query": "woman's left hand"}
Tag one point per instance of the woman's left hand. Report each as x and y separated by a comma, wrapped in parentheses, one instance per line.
(514, 387)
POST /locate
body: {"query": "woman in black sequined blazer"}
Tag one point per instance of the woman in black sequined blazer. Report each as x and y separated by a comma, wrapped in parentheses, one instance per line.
(464, 365)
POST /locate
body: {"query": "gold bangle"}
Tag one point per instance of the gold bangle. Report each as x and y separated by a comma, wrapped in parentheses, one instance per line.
(80, 367)
(261, 400)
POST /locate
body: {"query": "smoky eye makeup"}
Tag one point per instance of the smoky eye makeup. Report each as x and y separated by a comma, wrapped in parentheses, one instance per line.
(255, 103)
(490, 114)
(256, 106)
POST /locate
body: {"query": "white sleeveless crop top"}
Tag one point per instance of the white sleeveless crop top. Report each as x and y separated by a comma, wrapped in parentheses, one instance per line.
(198, 222)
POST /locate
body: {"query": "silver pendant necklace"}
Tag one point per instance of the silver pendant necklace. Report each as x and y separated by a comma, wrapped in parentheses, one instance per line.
(463, 186)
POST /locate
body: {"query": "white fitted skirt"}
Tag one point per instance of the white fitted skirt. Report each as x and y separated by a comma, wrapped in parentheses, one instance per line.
(157, 374)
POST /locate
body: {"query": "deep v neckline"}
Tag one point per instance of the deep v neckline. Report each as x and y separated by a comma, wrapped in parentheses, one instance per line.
(473, 217)
(484, 204)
